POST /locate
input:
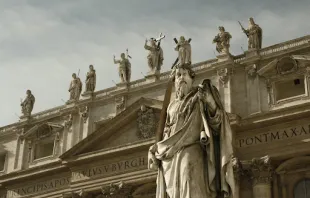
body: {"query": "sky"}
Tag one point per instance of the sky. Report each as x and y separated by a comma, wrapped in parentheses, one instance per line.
(42, 42)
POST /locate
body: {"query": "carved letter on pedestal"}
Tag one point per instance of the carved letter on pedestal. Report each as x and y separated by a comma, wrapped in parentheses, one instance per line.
(262, 172)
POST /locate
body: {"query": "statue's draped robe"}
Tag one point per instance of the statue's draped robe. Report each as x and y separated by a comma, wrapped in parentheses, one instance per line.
(75, 89)
(255, 37)
(91, 81)
(155, 58)
(28, 104)
(196, 145)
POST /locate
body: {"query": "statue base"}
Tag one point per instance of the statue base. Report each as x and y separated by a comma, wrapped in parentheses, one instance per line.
(87, 94)
(24, 118)
(252, 53)
(123, 85)
(153, 76)
(70, 102)
(224, 57)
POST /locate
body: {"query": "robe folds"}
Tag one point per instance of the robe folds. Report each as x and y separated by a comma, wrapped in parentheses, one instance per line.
(196, 151)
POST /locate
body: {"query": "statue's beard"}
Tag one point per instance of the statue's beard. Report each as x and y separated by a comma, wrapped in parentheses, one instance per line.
(182, 89)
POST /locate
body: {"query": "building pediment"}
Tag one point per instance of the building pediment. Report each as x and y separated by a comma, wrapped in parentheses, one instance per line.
(136, 124)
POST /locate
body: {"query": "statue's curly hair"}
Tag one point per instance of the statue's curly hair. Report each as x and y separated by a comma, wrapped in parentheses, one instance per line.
(187, 67)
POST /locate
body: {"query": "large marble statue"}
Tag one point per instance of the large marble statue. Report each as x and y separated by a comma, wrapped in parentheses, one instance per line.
(193, 158)
(28, 103)
(185, 51)
(124, 68)
(254, 34)
(90, 79)
(222, 40)
(155, 57)
(75, 88)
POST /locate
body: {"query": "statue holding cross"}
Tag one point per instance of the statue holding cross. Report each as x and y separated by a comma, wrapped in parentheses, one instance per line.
(185, 51)
(155, 57)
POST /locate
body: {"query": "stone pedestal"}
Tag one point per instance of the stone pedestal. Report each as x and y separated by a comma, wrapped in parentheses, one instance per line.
(262, 172)
(152, 76)
(252, 53)
(24, 118)
(224, 57)
(123, 85)
(87, 95)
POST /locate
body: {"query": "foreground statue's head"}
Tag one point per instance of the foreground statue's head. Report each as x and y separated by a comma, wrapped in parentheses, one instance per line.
(91, 67)
(183, 77)
(28, 92)
(74, 76)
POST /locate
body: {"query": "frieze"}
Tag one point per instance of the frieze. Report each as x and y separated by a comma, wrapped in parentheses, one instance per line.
(114, 168)
(274, 135)
(39, 187)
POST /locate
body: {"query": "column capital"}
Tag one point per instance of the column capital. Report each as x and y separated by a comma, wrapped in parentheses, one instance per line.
(261, 170)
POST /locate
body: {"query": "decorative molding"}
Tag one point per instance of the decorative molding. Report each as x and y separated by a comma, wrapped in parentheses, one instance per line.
(146, 122)
(68, 121)
(237, 168)
(224, 74)
(261, 170)
(84, 111)
(116, 190)
(252, 71)
(120, 104)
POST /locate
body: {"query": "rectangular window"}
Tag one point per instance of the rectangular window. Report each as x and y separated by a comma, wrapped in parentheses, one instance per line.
(2, 161)
(290, 88)
(43, 149)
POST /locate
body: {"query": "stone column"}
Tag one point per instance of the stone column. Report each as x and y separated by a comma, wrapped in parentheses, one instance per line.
(262, 172)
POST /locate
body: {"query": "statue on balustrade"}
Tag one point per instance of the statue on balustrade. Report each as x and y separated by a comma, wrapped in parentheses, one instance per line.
(90, 79)
(194, 153)
(254, 34)
(124, 69)
(75, 88)
(28, 103)
(155, 57)
(222, 40)
(184, 51)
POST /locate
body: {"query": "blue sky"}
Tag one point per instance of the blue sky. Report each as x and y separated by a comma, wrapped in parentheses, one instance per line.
(43, 42)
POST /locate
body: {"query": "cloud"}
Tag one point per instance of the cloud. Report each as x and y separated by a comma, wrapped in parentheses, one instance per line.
(44, 42)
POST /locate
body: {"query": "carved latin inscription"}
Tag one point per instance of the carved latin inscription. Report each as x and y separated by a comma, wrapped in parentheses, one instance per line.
(276, 135)
(40, 187)
(110, 169)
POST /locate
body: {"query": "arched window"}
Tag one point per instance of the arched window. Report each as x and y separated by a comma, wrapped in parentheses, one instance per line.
(302, 189)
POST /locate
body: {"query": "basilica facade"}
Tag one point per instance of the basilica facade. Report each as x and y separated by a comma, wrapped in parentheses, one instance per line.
(97, 146)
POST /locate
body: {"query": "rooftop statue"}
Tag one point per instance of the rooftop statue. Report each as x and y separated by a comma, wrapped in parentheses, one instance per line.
(28, 103)
(90, 79)
(75, 88)
(155, 57)
(185, 51)
(222, 40)
(254, 34)
(124, 68)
